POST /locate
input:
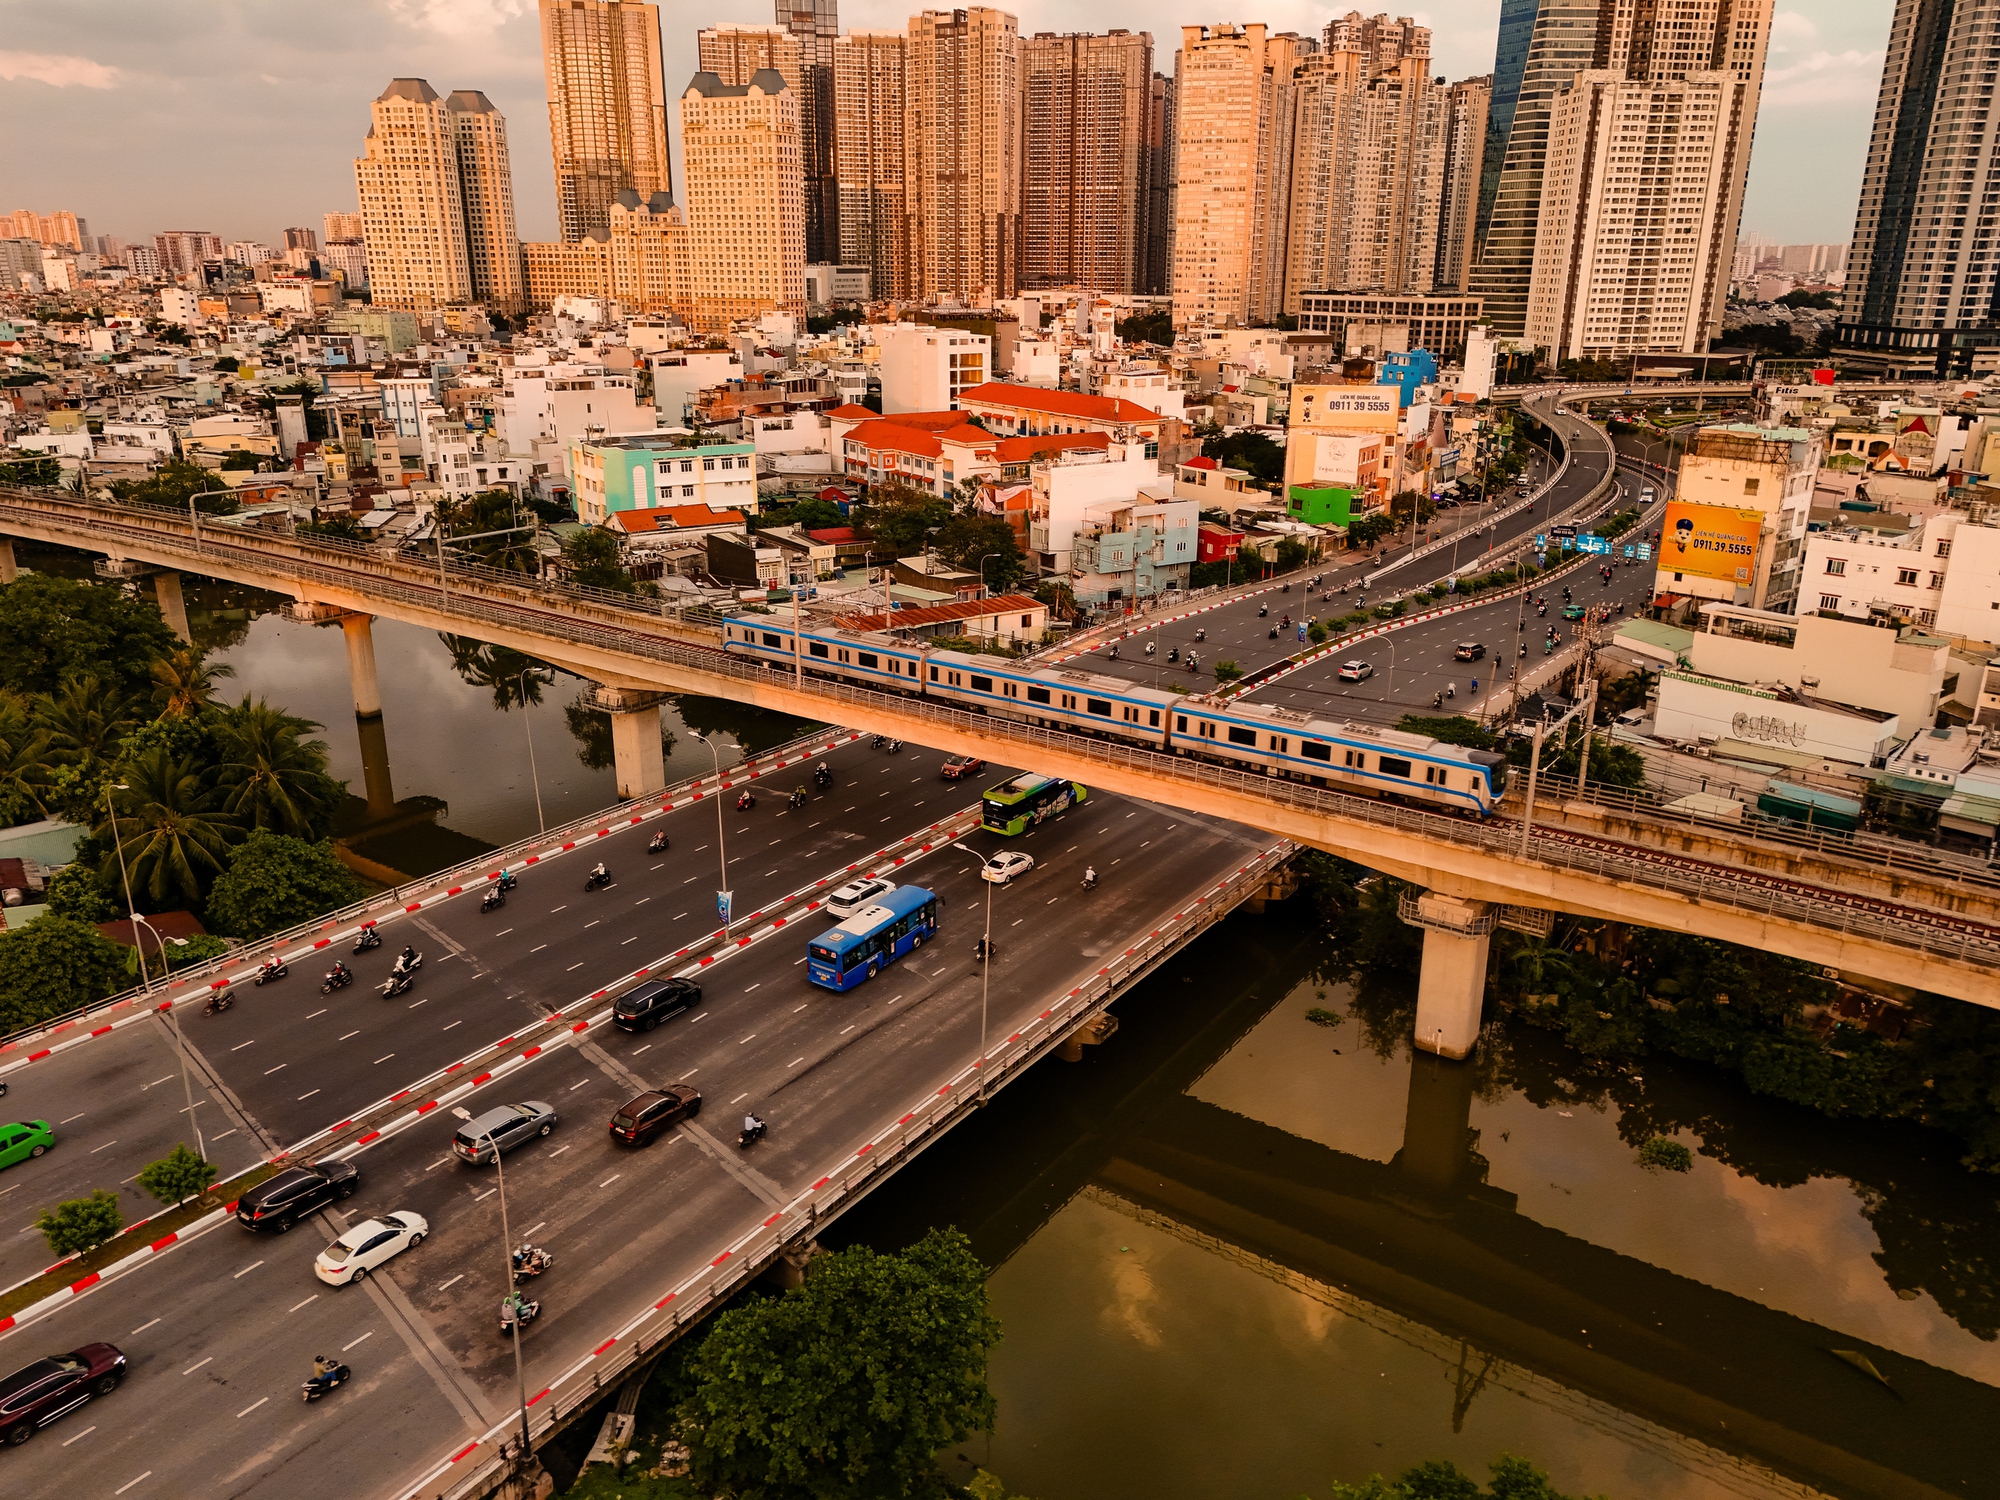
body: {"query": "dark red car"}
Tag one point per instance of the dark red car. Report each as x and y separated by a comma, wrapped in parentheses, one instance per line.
(36, 1395)
(961, 766)
(638, 1121)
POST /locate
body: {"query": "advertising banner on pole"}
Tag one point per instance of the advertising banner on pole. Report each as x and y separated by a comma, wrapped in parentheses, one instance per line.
(1710, 541)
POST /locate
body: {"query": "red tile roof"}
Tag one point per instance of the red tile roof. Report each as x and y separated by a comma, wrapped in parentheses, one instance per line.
(834, 534)
(672, 518)
(926, 421)
(996, 393)
(1016, 450)
(943, 614)
(885, 436)
(856, 410)
(1201, 463)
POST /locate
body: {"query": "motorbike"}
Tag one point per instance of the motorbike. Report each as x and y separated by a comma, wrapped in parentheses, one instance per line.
(1548, 648)
(822, 778)
(1451, 690)
(895, 747)
(1201, 635)
(397, 984)
(745, 802)
(1274, 632)
(745, 1138)
(272, 970)
(1090, 880)
(319, 1385)
(798, 798)
(494, 898)
(370, 938)
(1438, 701)
(1286, 589)
(1263, 610)
(657, 844)
(508, 880)
(530, 1262)
(983, 950)
(408, 962)
(878, 741)
(517, 1308)
(336, 979)
(1152, 647)
(1524, 648)
(1114, 653)
(1286, 622)
(1173, 653)
(595, 879)
(219, 1002)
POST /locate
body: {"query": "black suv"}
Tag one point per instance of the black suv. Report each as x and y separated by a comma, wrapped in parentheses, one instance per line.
(294, 1193)
(36, 1395)
(637, 1122)
(643, 1008)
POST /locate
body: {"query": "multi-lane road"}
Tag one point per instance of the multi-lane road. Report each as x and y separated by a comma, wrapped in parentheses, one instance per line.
(221, 1329)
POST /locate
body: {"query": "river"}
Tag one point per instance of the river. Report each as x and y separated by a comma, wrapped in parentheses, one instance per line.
(1238, 1254)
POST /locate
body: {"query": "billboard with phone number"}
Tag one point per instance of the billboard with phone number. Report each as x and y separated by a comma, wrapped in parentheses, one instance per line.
(1710, 541)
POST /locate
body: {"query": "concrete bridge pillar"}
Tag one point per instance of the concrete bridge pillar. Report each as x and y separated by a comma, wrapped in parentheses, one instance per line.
(8, 572)
(173, 608)
(638, 757)
(1452, 987)
(361, 665)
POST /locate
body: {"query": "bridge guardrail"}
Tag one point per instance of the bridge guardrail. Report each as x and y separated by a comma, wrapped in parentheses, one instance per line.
(479, 1466)
(1904, 924)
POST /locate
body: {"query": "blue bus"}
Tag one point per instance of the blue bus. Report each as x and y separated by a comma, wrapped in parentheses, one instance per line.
(872, 938)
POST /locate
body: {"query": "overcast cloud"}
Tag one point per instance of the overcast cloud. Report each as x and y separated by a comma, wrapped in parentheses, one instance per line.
(244, 116)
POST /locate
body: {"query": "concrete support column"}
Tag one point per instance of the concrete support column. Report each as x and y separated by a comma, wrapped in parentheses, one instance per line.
(1452, 987)
(375, 775)
(637, 754)
(361, 664)
(173, 608)
(8, 572)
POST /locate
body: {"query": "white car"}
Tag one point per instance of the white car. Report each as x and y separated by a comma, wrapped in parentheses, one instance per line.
(1005, 865)
(1355, 671)
(367, 1245)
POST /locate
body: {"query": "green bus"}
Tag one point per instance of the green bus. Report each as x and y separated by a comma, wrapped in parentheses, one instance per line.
(1016, 806)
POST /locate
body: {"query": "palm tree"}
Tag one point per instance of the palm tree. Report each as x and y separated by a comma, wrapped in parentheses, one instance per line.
(24, 758)
(85, 719)
(184, 682)
(270, 777)
(173, 836)
(499, 668)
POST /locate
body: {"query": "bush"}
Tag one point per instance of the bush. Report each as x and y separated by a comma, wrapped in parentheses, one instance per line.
(1319, 1015)
(1227, 671)
(55, 965)
(1666, 1155)
(82, 1224)
(178, 1176)
(275, 882)
(77, 891)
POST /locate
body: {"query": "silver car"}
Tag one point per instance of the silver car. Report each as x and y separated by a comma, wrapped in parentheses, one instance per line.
(506, 1127)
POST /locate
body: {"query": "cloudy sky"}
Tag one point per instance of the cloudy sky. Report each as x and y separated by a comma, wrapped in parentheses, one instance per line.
(244, 116)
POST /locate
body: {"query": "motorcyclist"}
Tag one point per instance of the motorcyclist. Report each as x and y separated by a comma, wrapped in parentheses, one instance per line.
(340, 973)
(405, 959)
(751, 1124)
(1090, 874)
(508, 880)
(600, 873)
(323, 1369)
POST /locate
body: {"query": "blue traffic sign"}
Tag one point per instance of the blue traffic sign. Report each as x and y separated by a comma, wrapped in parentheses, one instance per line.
(1541, 541)
(1645, 552)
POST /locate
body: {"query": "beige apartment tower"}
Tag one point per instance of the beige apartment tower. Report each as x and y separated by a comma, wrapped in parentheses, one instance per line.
(340, 226)
(734, 52)
(412, 207)
(1467, 109)
(607, 107)
(1642, 185)
(486, 187)
(1086, 159)
(962, 155)
(745, 197)
(869, 73)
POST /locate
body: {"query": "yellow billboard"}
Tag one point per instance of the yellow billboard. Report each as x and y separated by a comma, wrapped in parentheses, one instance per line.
(1710, 541)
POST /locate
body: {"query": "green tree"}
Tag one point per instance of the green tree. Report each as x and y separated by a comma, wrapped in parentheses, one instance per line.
(81, 1224)
(1251, 451)
(271, 776)
(177, 1176)
(849, 1385)
(338, 528)
(184, 681)
(174, 834)
(592, 557)
(1456, 729)
(46, 472)
(969, 536)
(1227, 671)
(1366, 531)
(174, 483)
(24, 762)
(84, 723)
(1610, 764)
(53, 629)
(77, 891)
(482, 515)
(241, 459)
(514, 679)
(813, 514)
(1440, 1479)
(1146, 328)
(1292, 553)
(275, 882)
(52, 966)
(1399, 508)
(901, 517)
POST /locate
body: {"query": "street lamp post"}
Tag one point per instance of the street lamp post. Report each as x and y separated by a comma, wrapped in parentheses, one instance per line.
(723, 899)
(534, 773)
(507, 1282)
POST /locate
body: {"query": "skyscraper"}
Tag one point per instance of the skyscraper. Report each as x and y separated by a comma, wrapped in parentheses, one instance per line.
(1921, 291)
(1087, 106)
(733, 52)
(1468, 111)
(1642, 188)
(1157, 274)
(486, 189)
(816, 23)
(183, 250)
(745, 196)
(962, 154)
(1562, 43)
(607, 107)
(1222, 89)
(1510, 62)
(412, 213)
(340, 226)
(868, 91)
(301, 239)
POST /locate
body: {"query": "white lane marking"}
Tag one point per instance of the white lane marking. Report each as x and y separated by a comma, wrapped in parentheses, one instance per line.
(383, 1058)
(363, 1339)
(538, 948)
(415, 1003)
(644, 899)
(109, 1144)
(558, 1152)
(554, 909)
(575, 1086)
(81, 1435)
(453, 1282)
(844, 1033)
(319, 1012)
(304, 1097)
(592, 923)
(198, 1364)
(637, 1050)
(628, 940)
(246, 1270)
(802, 1007)
(241, 1045)
(455, 1023)
(252, 1406)
(795, 963)
(572, 968)
(758, 985)
(225, 1134)
(503, 932)
(485, 1195)
(795, 1062)
(682, 1079)
(147, 1086)
(351, 1034)
(438, 1163)
(750, 1038)
(702, 1017)
(739, 1098)
(611, 1179)
(141, 1328)
(130, 1482)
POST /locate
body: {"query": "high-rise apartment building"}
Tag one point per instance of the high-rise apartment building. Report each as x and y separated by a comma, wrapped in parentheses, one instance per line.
(607, 107)
(1271, 199)
(869, 69)
(59, 228)
(1222, 88)
(962, 154)
(340, 226)
(486, 189)
(1562, 42)
(1157, 275)
(301, 239)
(1368, 162)
(182, 251)
(1510, 64)
(1468, 110)
(347, 258)
(412, 209)
(1921, 289)
(816, 23)
(745, 195)
(1086, 159)
(248, 252)
(1647, 157)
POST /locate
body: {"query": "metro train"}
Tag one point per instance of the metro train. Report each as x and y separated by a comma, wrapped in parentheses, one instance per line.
(1359, 758)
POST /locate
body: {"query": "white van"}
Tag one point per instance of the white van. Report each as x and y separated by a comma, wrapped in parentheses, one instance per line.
(856, 894)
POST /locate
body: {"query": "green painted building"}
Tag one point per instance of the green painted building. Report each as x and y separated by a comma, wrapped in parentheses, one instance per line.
(1326, 505)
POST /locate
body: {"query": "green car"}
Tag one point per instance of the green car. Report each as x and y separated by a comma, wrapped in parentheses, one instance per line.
(19, 1142)
(1572, 611)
